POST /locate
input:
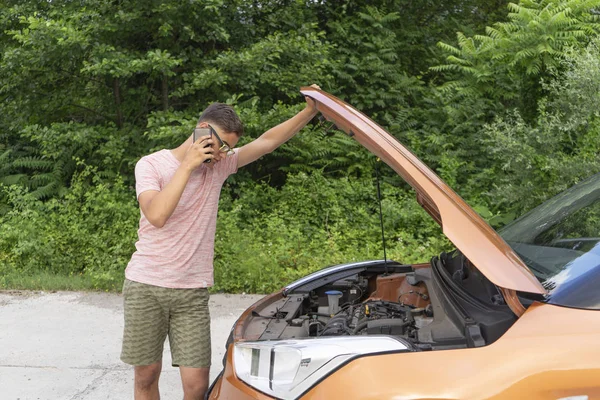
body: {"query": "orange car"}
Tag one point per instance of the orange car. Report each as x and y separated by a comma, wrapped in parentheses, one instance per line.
(508, 315)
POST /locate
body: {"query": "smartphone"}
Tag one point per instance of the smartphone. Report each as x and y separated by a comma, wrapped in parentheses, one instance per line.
(200, 132)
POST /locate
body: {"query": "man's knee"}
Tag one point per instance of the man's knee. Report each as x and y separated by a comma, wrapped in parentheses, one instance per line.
(195, 381)
(195, 388)
(147, 376)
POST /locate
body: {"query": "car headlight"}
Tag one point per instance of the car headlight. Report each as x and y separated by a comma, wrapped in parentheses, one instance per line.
(287, 368)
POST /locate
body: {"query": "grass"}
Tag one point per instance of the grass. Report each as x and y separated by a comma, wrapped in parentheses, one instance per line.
(53, 282)
(49, 282)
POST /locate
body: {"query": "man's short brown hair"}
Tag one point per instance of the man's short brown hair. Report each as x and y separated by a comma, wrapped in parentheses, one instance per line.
(224, 116)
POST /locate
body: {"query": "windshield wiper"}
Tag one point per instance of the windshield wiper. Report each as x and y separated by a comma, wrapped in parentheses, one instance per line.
(542, 273)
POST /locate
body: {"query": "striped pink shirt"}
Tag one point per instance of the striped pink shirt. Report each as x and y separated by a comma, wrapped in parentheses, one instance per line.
(180, 254)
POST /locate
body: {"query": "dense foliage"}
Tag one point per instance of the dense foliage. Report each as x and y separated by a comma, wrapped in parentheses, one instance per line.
(500, 99)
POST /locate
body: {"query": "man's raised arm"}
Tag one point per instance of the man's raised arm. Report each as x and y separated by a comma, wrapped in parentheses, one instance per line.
(276, 136)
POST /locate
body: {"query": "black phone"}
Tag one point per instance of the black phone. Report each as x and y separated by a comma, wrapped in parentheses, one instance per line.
(200, 132)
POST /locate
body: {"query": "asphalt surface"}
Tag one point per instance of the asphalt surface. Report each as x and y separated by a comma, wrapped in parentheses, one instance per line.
(66, 345)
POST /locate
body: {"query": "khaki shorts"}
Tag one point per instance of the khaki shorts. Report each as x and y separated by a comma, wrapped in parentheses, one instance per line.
(153, 312)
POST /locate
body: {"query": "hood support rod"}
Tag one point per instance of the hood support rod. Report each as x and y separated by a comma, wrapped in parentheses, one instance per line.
(381, 215)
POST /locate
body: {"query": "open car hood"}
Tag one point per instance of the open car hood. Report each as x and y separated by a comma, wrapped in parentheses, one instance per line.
(484, 248)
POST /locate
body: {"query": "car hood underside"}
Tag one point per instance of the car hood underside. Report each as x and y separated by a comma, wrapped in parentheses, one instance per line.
(485, 249)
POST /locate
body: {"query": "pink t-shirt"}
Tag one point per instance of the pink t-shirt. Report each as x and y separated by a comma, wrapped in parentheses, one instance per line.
(180, 254)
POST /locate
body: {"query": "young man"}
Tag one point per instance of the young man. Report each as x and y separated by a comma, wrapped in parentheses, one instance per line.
(165, 290)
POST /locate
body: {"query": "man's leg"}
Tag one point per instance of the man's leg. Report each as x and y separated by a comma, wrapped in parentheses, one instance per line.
(189, 337)
(195, 382)
(144, 333)
(146, 381)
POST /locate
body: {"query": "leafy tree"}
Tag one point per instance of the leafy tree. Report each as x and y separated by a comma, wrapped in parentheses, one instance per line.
(486, 77)
(531, 161)
(506, 65)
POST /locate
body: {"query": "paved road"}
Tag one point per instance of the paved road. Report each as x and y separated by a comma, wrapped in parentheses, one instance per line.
(66, 346)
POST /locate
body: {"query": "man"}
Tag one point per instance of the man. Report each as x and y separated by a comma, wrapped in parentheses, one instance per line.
(165, 291)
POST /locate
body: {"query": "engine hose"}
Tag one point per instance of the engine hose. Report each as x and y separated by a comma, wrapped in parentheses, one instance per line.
(338, 317)
(362, 324)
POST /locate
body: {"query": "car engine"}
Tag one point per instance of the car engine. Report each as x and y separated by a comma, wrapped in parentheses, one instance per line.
(384, 304)
(369, 318)
(442, 305)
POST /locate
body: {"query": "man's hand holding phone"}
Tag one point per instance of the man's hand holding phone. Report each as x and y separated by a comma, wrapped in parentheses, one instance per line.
(201, 150)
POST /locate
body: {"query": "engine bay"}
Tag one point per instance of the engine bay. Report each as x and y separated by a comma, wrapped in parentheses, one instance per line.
(408, 301)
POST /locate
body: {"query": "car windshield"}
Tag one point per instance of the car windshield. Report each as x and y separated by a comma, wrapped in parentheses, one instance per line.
(560, 242)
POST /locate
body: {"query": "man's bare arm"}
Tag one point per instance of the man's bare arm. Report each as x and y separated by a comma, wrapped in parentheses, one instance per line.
(276, 136)
(159, 206)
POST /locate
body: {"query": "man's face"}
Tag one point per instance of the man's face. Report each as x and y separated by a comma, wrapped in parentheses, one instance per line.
(221, 141)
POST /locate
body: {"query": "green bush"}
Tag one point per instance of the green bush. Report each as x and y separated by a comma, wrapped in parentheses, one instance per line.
(267, 238)
(90, 231)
